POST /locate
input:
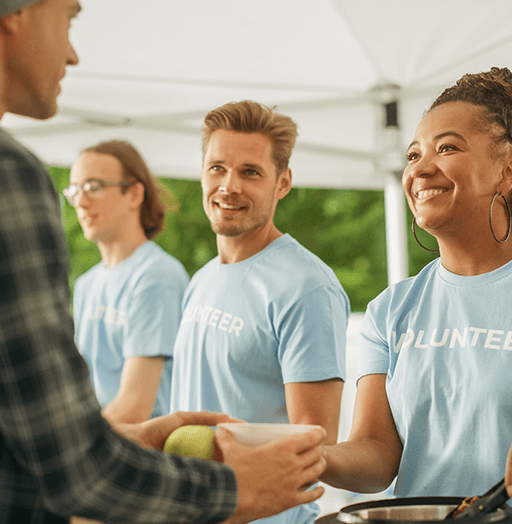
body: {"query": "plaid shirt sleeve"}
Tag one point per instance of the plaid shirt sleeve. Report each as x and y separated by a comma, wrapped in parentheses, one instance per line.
(57, 453)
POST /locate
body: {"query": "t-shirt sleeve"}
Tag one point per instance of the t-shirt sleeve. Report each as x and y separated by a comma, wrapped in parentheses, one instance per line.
(312, 336)
(373, 351)
(153, 319)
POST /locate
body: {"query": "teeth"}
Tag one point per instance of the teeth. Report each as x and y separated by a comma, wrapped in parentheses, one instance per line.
(228, 206)
(430, 192)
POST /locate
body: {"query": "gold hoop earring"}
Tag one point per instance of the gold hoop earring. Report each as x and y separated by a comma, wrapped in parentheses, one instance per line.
(416, 238)
(508, 214)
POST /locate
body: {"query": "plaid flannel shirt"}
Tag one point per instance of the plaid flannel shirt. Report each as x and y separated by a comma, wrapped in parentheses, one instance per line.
(58, 455)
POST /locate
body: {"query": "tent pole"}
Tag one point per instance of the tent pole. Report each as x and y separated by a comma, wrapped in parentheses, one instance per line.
(396, 237)
(389, 161)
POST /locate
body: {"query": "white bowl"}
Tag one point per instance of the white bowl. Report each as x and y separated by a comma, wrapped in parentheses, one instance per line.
(257, 434)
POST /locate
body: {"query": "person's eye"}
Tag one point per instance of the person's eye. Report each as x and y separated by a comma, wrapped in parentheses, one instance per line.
(412, 155)
(443, 148)
(92, 185)
(251, 172)
(216, 168)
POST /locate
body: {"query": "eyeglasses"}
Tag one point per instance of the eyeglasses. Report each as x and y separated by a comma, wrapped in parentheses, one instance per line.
(92, 188)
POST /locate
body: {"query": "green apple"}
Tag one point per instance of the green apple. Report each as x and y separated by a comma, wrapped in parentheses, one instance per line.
(191, 441)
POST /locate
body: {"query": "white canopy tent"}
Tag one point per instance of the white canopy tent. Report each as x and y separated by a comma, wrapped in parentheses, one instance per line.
(151, 70)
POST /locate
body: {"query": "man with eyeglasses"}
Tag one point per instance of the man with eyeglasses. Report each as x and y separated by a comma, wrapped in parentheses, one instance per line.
(58, 455)
(127, 308)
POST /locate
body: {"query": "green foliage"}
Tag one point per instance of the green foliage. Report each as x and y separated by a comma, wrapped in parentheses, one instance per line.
(345, 228)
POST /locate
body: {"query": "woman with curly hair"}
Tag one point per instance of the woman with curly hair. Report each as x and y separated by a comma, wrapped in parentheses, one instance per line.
(434, 400)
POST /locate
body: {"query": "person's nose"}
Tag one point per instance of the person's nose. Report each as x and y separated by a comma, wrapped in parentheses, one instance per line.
(423, 167)
(230, 183)
(72, 59)
(81, 199)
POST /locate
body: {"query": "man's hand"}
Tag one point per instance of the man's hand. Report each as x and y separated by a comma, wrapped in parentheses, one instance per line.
(273, 478)
(508, 473)
(154, 432)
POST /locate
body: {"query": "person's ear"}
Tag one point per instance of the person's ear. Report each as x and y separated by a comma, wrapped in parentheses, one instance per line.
(505, 186)
(284, 183)
(11, 23)
(137, 193)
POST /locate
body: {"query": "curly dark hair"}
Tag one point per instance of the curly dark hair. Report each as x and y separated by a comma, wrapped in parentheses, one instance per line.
(491, 90)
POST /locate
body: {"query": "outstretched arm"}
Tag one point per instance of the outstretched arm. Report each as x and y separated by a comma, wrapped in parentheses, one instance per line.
(51, 427)
(368, 461)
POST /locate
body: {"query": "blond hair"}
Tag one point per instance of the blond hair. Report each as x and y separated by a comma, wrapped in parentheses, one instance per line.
(251, 117)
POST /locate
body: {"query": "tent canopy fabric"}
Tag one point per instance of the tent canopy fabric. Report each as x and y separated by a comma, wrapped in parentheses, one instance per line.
(150, 71)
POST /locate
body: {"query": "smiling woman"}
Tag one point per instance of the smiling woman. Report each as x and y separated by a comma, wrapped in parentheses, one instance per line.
(452, 176)
(435, 356)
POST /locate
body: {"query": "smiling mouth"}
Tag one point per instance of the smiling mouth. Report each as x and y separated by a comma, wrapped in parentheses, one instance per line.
(229, 207)
(425, 193)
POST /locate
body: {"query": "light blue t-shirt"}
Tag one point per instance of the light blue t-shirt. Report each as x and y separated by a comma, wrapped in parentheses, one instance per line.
(130, 310)
(248, 328)
(445, 343)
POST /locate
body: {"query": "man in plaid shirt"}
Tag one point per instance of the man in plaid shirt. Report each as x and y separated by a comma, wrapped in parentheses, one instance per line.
(59, 457)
